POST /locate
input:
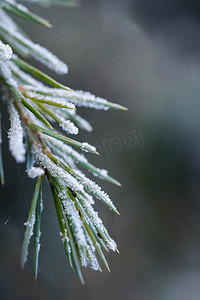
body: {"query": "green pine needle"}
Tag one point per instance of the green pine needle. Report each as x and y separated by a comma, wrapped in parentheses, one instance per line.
(23, 12)
(34, 99)
(30, 222)
(37, 234)
(36, 72)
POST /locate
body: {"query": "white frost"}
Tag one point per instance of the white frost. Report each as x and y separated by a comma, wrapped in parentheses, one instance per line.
(5, 51)
(35, 172)
(72, 213)
(88, 148)
(68, 126)
(79, 98)
(23, 76)
(15, 135)
(25, 46)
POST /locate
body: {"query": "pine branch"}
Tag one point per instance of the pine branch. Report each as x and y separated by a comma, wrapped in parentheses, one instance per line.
(32, 105)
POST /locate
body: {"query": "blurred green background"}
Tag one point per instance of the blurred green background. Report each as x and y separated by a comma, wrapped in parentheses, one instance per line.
(146, 56)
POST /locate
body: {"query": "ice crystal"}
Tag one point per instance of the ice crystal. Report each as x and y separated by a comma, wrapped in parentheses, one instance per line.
(63, 177)
(48, 99)
(30, 223)
(35, 172)
(23, 44)
(15, 135)
(90, 213)
(79, 98)
(5, 51)
(72, 213)
(68, 126)
(88, 148)
(33, 109)
(24, 77)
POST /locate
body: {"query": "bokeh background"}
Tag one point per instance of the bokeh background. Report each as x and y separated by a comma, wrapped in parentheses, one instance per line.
(144, 54)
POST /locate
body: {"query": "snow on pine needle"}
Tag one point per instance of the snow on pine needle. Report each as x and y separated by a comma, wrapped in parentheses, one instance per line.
(15, 135)
(5, 51)
(36, 102)
(35, 172)
(9, 32)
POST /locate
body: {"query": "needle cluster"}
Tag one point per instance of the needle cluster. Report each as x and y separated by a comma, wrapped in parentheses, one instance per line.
(35, 102)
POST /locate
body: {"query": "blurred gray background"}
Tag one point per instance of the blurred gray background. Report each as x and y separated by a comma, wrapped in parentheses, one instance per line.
(144, 54)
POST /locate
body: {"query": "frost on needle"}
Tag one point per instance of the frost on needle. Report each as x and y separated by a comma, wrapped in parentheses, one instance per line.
(36, 102)
(5, 51)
